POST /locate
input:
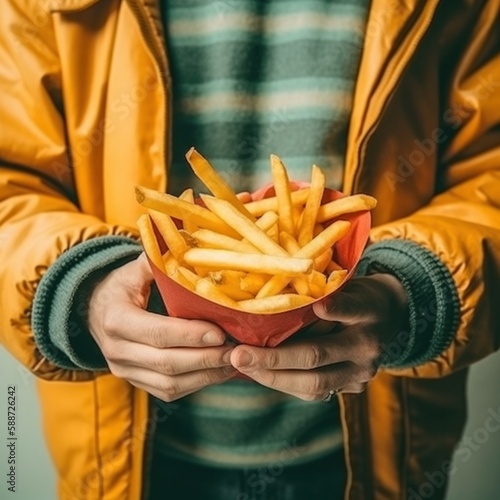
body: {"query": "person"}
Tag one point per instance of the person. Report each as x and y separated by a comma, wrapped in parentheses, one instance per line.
(396, 99)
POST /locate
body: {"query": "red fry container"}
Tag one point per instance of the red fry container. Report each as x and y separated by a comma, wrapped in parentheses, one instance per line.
(263, 329)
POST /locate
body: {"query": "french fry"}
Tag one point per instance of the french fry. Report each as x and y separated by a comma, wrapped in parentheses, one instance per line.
(326, 239)
(181, 209)
(313, 204)
(335, 280)
(289, 243)
(257, 208)
(207, 289)
(253, 282)
(314, 248)
(250, 262)
(283, 194)
(317, 284)
(172, 269)
(192, 277)
(210, 239)
(234, 292)
(170, 234)
(226, 276)
(321, 261)
(333, 266)
(346, 205)
(267, 221)
(275, 304)
(215, 182)
(149, 241)
(244, 226)
(188, 224)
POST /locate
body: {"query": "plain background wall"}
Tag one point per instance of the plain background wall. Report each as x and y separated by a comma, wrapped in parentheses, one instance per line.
(476, 474)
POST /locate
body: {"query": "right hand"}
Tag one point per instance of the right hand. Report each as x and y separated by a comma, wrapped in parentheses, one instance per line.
(167, 357)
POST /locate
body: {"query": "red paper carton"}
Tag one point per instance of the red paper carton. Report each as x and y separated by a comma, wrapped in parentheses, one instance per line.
(264, 329)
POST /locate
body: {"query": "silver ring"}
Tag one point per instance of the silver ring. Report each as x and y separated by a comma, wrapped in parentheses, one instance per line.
(331, 394)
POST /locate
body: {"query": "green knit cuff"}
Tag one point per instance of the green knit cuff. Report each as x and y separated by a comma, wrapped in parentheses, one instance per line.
(432, 296)
(59, 313)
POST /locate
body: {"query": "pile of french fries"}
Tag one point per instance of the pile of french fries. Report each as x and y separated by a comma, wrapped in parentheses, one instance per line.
(263, 256)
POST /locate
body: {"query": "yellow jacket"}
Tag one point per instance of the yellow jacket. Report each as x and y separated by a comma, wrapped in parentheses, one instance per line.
(85, 116)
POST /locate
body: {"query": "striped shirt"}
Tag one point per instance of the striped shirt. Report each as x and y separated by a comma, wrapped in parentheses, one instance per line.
(254, 77)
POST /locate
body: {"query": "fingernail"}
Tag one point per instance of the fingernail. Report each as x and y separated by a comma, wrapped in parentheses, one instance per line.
(227, 357)
(212, 338)
(245, 360)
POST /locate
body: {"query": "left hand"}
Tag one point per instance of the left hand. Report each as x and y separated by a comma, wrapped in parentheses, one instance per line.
(346, 346)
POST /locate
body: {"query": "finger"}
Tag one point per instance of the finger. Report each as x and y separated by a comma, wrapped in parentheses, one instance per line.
(137, 325)
(311, 385)
(346, 345)
(354, 304)
(174, 361)
(173, 388)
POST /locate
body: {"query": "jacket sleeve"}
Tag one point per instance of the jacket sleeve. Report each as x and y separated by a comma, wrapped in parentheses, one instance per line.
(39, 214)
(461, 224)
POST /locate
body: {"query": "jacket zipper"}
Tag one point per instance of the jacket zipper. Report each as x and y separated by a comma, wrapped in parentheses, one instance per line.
(158, 55)
(391, 86)
(392, 82)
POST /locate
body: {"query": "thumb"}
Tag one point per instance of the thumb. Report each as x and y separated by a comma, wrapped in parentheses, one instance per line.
(348, 307)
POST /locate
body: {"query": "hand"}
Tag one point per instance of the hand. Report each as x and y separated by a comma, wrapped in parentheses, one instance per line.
(167, 357)
(343, 352)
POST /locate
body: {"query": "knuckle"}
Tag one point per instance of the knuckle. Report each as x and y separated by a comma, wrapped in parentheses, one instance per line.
(318, 387)
(110, 322)
(155, 335)
(317, 356)
(367, 372)
(169, 390)
(163, 364)
(116, 370)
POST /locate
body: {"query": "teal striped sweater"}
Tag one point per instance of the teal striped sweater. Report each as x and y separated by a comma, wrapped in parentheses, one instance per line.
(255, 78)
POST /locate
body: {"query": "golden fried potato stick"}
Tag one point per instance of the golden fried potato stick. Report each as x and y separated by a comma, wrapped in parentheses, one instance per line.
(267, 221)
(226, 276)
(172, 269)
(283, 194)
(214, 181)
(210, 239)
(313, 203)
(321, 261)
(268, 264)
(181, 209)
(277, 303)
(244, 226)
(335, 280)
(149, 242)
(257, 208)
(167, 228)
(192, 277)
(188, 224)
(333, 266)
(207, 289)
(253, 282)
(234, 292)
(346, 205)
(315, 247)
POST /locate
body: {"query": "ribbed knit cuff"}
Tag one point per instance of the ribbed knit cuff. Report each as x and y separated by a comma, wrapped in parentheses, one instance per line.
(432, 297)
(59, 313)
